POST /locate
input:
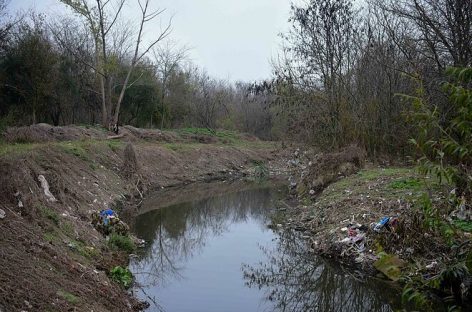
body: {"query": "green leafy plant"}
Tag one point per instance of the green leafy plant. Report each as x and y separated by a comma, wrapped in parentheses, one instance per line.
(433, 220)
(122, 275)
(121, 242)
(68, 296)
(443, 141)
(445, 144)
(260, 170)
(406, 184)
(50, 214)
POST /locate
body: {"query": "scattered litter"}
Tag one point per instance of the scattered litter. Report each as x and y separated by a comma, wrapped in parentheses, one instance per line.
(140, 243)
(462, 213)
(45, 186)
(389, 223)
(432, 265)
(106, 221)
(2, 214)
(360, 258)
(107, 215)
(18, 198)
(377, 227)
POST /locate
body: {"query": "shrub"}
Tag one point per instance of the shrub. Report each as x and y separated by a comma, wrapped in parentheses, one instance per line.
(445, 145)
(122, 275)
(121, 242)
(50, 214)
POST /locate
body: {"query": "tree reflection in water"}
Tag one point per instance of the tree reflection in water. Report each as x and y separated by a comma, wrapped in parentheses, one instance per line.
(296, 280)
(177, 233)
(289, 279)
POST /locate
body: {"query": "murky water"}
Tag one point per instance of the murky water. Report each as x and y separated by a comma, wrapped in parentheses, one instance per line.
(217, 254)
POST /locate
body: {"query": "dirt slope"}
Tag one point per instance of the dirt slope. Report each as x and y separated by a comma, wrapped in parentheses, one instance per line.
(51, 257)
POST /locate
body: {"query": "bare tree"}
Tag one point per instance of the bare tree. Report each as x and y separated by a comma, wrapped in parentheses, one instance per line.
(319, 50)
(444, 28)
(101, 19)
(167, 60)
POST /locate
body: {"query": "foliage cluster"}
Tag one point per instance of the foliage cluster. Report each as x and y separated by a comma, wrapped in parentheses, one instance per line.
(122, 275)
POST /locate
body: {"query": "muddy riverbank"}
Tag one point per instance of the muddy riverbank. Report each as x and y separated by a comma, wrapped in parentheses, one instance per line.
(51, 256)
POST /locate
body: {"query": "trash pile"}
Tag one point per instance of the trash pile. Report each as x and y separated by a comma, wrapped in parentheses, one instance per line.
(106, 222)
(355, 241)
(356, 237)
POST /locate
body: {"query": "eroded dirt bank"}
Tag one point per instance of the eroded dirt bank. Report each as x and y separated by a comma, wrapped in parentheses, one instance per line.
(52, 258)
(381, 220)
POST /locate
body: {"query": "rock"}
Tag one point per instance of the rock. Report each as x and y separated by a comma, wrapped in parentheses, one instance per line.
(2, 214)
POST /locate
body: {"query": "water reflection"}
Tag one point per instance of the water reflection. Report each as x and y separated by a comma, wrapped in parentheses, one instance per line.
(184, 240)
(295, 280)
(196, 251)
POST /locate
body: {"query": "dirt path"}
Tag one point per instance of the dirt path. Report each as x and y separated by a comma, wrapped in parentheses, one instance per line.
(52, 258)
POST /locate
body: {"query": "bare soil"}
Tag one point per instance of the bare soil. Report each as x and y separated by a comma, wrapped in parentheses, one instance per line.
(51, 257)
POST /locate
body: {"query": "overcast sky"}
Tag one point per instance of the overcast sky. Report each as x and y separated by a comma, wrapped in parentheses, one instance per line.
(231, 39)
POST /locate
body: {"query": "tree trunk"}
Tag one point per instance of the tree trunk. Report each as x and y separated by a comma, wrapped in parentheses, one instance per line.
(120, 99)
(104, 105)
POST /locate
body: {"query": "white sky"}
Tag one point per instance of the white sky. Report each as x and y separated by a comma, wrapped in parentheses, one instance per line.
(231, 39)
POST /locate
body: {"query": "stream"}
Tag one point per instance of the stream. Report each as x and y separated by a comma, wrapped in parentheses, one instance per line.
(216, 253)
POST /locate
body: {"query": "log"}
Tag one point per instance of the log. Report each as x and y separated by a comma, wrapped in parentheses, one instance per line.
(113, 137)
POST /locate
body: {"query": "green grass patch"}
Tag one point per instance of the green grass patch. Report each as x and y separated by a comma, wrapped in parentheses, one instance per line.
(114, 145)
(83, 250)
(122, 275)
(121, 242)
(182, 147)
(67, 228)
(386, 183)
(407, 184)
(50, 214)
(260, 169)
(224, 135)
(209, 132)
(16, 148)
(375, 173)
(75, 148)
(50, 237)
(463, 225)
(67, 296)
